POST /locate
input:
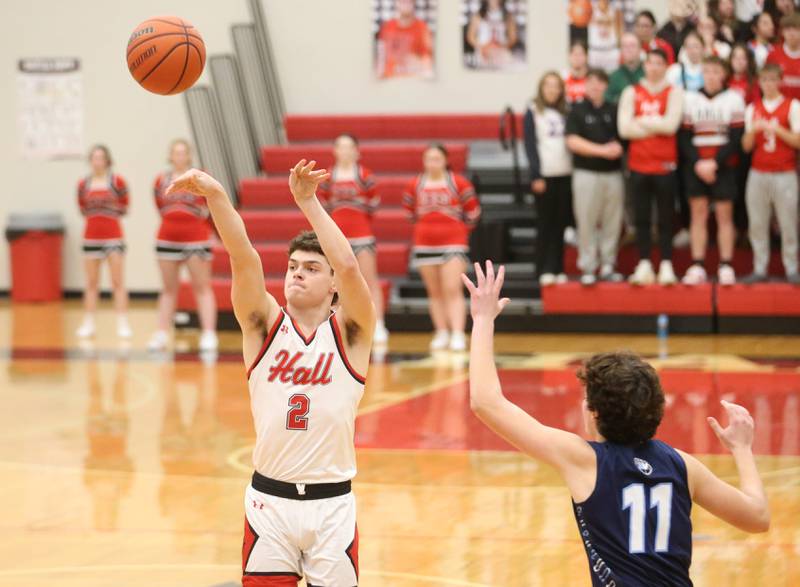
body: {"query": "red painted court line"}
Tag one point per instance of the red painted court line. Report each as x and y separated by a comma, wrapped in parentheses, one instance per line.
(442, 420)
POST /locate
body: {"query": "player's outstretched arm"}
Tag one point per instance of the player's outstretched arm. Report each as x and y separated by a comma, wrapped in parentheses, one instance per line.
(354, 295)
(746, 507)
(560, 448)
(255, 309)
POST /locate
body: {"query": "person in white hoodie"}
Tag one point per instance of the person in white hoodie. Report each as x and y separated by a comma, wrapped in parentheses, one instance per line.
(550, 164)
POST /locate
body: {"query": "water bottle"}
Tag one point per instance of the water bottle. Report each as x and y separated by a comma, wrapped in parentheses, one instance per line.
(662, 326)
(662, 330)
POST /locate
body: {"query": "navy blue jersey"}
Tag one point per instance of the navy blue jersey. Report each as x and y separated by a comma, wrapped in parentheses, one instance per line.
(636, 524)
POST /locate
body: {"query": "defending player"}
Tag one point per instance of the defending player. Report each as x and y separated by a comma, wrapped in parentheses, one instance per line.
(306, 376)
(632, 495)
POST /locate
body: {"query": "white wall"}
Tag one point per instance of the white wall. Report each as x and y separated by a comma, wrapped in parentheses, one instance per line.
(324, 56)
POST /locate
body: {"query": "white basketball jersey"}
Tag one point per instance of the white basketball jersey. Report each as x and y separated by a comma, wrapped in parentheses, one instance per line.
(304, 395)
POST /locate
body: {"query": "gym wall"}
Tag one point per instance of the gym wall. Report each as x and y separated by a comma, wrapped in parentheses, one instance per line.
(323, 50)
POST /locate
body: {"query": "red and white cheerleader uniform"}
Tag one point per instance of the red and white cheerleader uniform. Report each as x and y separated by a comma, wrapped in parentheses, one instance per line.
(444, 213)
(103, 208)
(351, 203)
(184, 230)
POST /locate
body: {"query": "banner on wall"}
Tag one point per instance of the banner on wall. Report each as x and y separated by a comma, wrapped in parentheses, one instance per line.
(599, 25)
(494, 34)
(404, 32)
(50, 107)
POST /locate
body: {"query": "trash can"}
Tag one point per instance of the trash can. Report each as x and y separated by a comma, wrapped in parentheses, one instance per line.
(35, 242)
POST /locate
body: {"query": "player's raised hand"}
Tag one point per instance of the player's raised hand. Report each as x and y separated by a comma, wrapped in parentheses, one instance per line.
(196, 182)
(739, 432)
(485, 300)
(304, 179)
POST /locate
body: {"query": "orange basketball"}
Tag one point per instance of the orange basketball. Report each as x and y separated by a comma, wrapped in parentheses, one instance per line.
(580, 13)
(166, 55)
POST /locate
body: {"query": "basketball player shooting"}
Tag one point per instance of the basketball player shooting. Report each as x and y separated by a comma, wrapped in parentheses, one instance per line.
(632, 495)
(306, 372)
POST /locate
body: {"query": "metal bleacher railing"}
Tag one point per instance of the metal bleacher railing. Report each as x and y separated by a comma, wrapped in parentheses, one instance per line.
(209, 138)
(236, 126)
(508, 140)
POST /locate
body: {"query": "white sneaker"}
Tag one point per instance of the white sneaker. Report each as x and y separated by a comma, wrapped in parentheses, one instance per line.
(681, 240)
(608, 273)
(570, 236)
(726, 275)
(695, 275)
(440, 340)
(208, 341)
(643, 274)
(159, 340)
(381, 335)
(458, 342)
(561, 279)
(666, 274)
(588, 279)
(546, 279)
(86, 329)
(123, 328)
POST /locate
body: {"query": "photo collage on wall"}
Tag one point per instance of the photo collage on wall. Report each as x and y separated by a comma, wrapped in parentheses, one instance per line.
(404, 32)
(599, 25)
(494, 34)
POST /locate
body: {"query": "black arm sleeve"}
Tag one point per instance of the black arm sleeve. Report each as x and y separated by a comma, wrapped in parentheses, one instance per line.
(531, 145)
(687, 149)
(734, 146)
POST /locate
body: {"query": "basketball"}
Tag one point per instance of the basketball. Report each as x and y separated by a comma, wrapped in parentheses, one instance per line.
(580, 13)
(166, 55)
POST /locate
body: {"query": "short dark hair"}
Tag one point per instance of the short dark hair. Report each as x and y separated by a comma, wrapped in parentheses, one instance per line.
(578, 43)
(625, 394)
(598, 74)
(646, 14)
(658, 52)
(307, 241)
(791, 21)
(772, 68)
(717, 60)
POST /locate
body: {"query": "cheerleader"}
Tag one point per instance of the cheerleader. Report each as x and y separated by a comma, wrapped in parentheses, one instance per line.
(604, 32)
(351, 199)
(103, 200)
(184, 237)
(444, 209)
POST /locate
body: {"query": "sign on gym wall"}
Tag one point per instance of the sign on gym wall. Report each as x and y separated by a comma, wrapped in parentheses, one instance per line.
(403, 32)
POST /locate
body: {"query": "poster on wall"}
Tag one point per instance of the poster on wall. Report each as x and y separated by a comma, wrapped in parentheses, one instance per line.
(50, 107)
(404, 32)
(494, 34)
(599, 25)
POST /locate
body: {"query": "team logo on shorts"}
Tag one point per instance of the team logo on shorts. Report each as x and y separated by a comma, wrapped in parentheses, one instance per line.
(645, 467)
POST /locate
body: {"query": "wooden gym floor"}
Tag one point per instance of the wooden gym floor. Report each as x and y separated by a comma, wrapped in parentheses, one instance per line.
(122, 468)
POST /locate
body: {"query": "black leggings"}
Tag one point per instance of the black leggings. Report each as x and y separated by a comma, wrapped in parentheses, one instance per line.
(552, 210)
(661, 187)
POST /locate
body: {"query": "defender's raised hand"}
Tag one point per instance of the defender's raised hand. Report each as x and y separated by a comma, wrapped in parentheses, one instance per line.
(196, 182)
(304, 179)
(485, 296)
(739, 432)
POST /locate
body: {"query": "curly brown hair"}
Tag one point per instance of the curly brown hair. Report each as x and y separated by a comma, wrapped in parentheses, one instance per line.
(625, 394)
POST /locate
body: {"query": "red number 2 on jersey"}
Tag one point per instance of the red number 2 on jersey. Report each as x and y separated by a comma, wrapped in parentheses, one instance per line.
(297, 418)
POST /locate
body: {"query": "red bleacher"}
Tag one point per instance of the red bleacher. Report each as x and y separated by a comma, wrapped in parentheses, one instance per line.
(273, 192)
(392, 259)
(311, 127)
(622, 298)
(380, 157)
(764, 299)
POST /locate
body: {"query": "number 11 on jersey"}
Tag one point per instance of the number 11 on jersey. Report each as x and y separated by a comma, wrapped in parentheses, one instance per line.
(633, 498)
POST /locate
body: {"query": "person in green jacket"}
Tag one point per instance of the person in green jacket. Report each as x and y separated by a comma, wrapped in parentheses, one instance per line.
(631, 70)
